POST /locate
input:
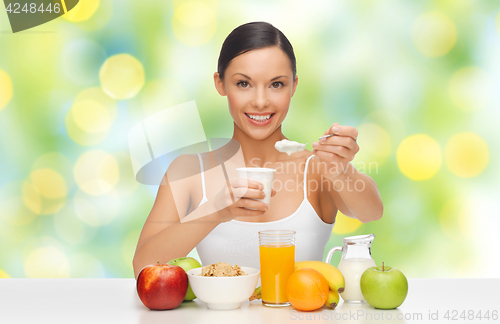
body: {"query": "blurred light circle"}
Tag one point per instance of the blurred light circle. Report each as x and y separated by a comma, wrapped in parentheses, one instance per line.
(5, 89)
(49, 193)
(159, 94)
(455, 219)
(46, 262)
(85, 265)
(56, 161)
(345, 224)
(90, 117)
(466, 154)
(419, 157)
(49, 183)
(13, 209)
(38, 203)
(32, 198)
(96, 172)
(70, 228)
(434, 34)
(97, 94)
(391, 122)
(471, 89)
(82, 11)
(16, 234)
(96, 210)
(194, 22)
(3, 274)
(122, 76)
(15, 216)
(15, 212)
(374, 143)
(127, 184)
(81, 60)
(81, 137)
(485, 218)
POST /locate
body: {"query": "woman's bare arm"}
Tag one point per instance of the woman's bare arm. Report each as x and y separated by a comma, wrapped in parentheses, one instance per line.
(356, 195)
(164, 237)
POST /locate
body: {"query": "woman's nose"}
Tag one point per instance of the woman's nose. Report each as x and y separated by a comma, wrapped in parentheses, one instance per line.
(260, 99)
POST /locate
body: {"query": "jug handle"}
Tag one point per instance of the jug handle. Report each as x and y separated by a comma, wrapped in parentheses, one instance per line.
(331, 252)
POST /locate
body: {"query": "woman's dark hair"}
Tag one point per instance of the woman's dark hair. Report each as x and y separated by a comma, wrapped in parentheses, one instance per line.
(250, 36)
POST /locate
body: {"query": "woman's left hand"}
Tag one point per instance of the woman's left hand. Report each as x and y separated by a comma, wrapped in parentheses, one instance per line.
(337, 151)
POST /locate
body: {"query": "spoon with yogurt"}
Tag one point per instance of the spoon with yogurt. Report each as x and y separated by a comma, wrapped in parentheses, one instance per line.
(290, 147)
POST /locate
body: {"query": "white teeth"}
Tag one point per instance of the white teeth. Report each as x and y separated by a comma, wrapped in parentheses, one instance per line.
(259, 118)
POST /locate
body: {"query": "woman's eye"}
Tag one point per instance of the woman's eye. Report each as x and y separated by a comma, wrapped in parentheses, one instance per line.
(243, 84)
(277, 84)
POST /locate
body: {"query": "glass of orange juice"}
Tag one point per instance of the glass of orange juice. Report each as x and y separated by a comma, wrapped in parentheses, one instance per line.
(277, 263)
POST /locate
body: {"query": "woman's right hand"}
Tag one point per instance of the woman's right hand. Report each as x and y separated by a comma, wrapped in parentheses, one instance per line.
(243, 190)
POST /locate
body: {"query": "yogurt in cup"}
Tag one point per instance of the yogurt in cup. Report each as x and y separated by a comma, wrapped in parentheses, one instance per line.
(262, 175)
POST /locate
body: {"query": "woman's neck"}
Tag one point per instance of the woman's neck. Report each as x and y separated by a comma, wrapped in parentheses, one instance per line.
(258, 152)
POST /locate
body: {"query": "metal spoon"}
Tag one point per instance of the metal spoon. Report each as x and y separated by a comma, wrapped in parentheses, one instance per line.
(326, 136)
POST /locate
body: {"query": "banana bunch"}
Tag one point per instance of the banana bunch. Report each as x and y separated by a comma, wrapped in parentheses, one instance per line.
(333, 276)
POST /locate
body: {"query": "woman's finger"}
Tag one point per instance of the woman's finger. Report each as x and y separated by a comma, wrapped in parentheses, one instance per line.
(329, 152)
(341, 151)
(249, 212)
(338, 130)
(248, 193)
(251, 203)
(246, 183)
(345, 141)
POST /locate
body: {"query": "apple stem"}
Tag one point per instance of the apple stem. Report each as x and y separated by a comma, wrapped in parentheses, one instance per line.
(383, 267)
(158, 262)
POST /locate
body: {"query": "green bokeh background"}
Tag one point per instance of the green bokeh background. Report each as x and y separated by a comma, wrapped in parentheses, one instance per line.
(385, 67)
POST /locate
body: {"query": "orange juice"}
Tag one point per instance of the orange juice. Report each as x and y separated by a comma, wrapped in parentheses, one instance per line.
(277, 263)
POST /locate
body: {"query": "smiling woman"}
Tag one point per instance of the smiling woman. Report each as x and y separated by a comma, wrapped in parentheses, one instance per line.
(257, 73)
(259, 85)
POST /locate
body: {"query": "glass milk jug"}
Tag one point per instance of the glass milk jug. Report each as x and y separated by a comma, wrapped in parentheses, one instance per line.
(356, 258)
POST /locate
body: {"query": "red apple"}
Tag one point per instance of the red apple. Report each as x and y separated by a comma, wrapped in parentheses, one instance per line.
(162, 286)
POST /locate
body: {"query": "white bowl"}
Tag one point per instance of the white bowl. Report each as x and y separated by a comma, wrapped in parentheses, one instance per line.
(223, 292)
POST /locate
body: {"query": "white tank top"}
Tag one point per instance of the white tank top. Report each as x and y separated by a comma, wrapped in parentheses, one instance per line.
(237, 242)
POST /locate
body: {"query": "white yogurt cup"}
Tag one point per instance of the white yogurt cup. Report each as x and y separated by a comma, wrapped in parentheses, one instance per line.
(262, 175)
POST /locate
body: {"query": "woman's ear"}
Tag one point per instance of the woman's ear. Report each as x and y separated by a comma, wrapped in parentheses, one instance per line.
(219, 84)
(295, 82)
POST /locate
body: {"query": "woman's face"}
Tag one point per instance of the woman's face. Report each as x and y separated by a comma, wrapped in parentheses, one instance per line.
(259, 86)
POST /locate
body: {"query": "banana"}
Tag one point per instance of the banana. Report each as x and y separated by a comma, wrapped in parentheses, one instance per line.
(333, 299)
(257, 294)
(333, 275)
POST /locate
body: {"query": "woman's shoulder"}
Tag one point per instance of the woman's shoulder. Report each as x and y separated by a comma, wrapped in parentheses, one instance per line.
(308, 155)
(316, 166)
(183, 166)
(183, 161)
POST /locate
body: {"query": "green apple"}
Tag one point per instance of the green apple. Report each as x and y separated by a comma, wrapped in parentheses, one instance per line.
(186, 263)
(384, 287)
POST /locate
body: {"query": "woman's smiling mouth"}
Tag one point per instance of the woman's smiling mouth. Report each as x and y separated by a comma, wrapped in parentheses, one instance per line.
(261, 119)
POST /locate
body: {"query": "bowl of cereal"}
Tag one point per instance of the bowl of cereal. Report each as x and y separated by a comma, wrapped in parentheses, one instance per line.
(223, 286)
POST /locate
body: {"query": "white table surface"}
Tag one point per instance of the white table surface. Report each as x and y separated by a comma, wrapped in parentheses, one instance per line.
(94, 301)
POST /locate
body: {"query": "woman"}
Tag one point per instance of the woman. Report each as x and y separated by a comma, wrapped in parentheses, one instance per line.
(257, 73)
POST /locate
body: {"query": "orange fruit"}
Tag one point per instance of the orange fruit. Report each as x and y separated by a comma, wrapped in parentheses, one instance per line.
(307, 289)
